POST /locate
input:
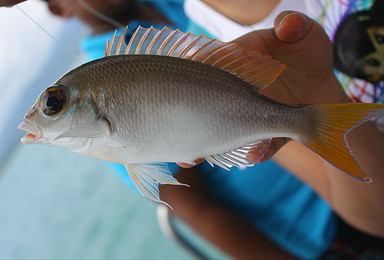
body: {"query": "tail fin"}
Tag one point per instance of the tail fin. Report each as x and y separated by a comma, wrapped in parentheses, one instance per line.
(329, 141)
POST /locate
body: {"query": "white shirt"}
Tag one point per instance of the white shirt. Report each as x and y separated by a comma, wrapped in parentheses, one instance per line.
(227, 29)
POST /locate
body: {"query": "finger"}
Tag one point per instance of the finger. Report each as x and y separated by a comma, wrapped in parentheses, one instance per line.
(61, 8)
(186, 165)
(289, 27)
(292, 26)
(274, 147)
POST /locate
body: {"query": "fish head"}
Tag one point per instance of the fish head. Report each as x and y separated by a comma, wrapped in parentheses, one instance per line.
(49, 117)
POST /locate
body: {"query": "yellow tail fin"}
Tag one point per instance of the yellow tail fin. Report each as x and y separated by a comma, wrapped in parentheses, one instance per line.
(329, 141)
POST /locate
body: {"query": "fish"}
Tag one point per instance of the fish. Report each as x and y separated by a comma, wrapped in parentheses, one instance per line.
(169, 96)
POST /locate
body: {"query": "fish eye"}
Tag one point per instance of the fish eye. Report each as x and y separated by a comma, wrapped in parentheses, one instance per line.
(53, 100)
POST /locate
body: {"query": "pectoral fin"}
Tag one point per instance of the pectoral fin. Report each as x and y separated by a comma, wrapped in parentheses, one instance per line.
(147, 178)
(97, 129)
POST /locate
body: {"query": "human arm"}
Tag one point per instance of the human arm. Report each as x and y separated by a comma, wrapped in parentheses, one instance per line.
(304, 47)
(309, 78)
(10, 2)
(221, 226)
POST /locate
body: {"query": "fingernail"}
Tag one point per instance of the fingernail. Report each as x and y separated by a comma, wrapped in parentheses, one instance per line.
(292, 26)
(286, 17)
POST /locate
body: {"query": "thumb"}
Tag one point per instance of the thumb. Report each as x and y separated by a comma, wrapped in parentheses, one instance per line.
(292, 26)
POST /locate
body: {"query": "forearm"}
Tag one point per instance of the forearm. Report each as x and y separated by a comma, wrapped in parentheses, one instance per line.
(361, 204)
(235, 236)
(10, 2)
(358, 203)
(222, 227)
(244, 11)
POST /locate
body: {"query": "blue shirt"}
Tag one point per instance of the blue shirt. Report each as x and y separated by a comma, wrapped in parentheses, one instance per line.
(285, 209)
(94, 45)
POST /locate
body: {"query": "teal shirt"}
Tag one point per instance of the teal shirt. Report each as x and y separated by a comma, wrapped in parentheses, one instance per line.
(94, 45)
(285, 209)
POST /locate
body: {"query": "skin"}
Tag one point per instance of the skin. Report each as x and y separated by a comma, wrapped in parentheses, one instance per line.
(10, 2)
(220, 225)
(213, 217)
(244, 11)
(357, 203)
(309, 78)
(122, 11)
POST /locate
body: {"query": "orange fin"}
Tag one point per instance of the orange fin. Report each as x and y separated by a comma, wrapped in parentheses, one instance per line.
(329, 141)
(251, 66)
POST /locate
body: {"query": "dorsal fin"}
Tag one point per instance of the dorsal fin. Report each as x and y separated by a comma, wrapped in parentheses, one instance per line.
(251, 66)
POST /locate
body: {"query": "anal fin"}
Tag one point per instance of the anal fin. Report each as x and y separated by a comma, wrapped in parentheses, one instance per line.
(245, 156)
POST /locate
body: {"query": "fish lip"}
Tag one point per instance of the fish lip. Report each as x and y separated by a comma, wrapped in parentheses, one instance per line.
(34, 132)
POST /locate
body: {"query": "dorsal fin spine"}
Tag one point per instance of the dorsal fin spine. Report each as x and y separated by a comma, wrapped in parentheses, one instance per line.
(193, 57)
(188, 47)
(258, 70)
(106, 48)
(120, 42)
(177, 43)
(130, 42)
(245, 73)
(142, 40)
(223, 55)
(226, 66)
(242, 69)
(150, 45)
(166, 41)
(111, 43)
(217, 51)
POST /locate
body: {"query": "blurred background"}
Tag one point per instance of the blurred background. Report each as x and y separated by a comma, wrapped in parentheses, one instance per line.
(55, 203)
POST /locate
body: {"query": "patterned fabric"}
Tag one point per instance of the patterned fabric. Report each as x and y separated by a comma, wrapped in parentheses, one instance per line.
(334, 11)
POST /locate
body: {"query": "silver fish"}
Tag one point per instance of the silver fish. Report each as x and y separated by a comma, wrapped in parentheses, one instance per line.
(169, 96)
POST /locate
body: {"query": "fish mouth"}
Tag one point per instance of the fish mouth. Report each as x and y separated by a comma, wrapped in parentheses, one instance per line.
(34, 133)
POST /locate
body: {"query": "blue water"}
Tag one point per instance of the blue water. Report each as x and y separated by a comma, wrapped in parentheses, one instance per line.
(58, 204)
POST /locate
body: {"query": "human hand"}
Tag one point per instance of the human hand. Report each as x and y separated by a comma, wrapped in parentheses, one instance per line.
(10, 2)
(301, 44)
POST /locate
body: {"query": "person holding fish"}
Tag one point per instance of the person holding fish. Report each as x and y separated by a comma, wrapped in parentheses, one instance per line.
(202, 98)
